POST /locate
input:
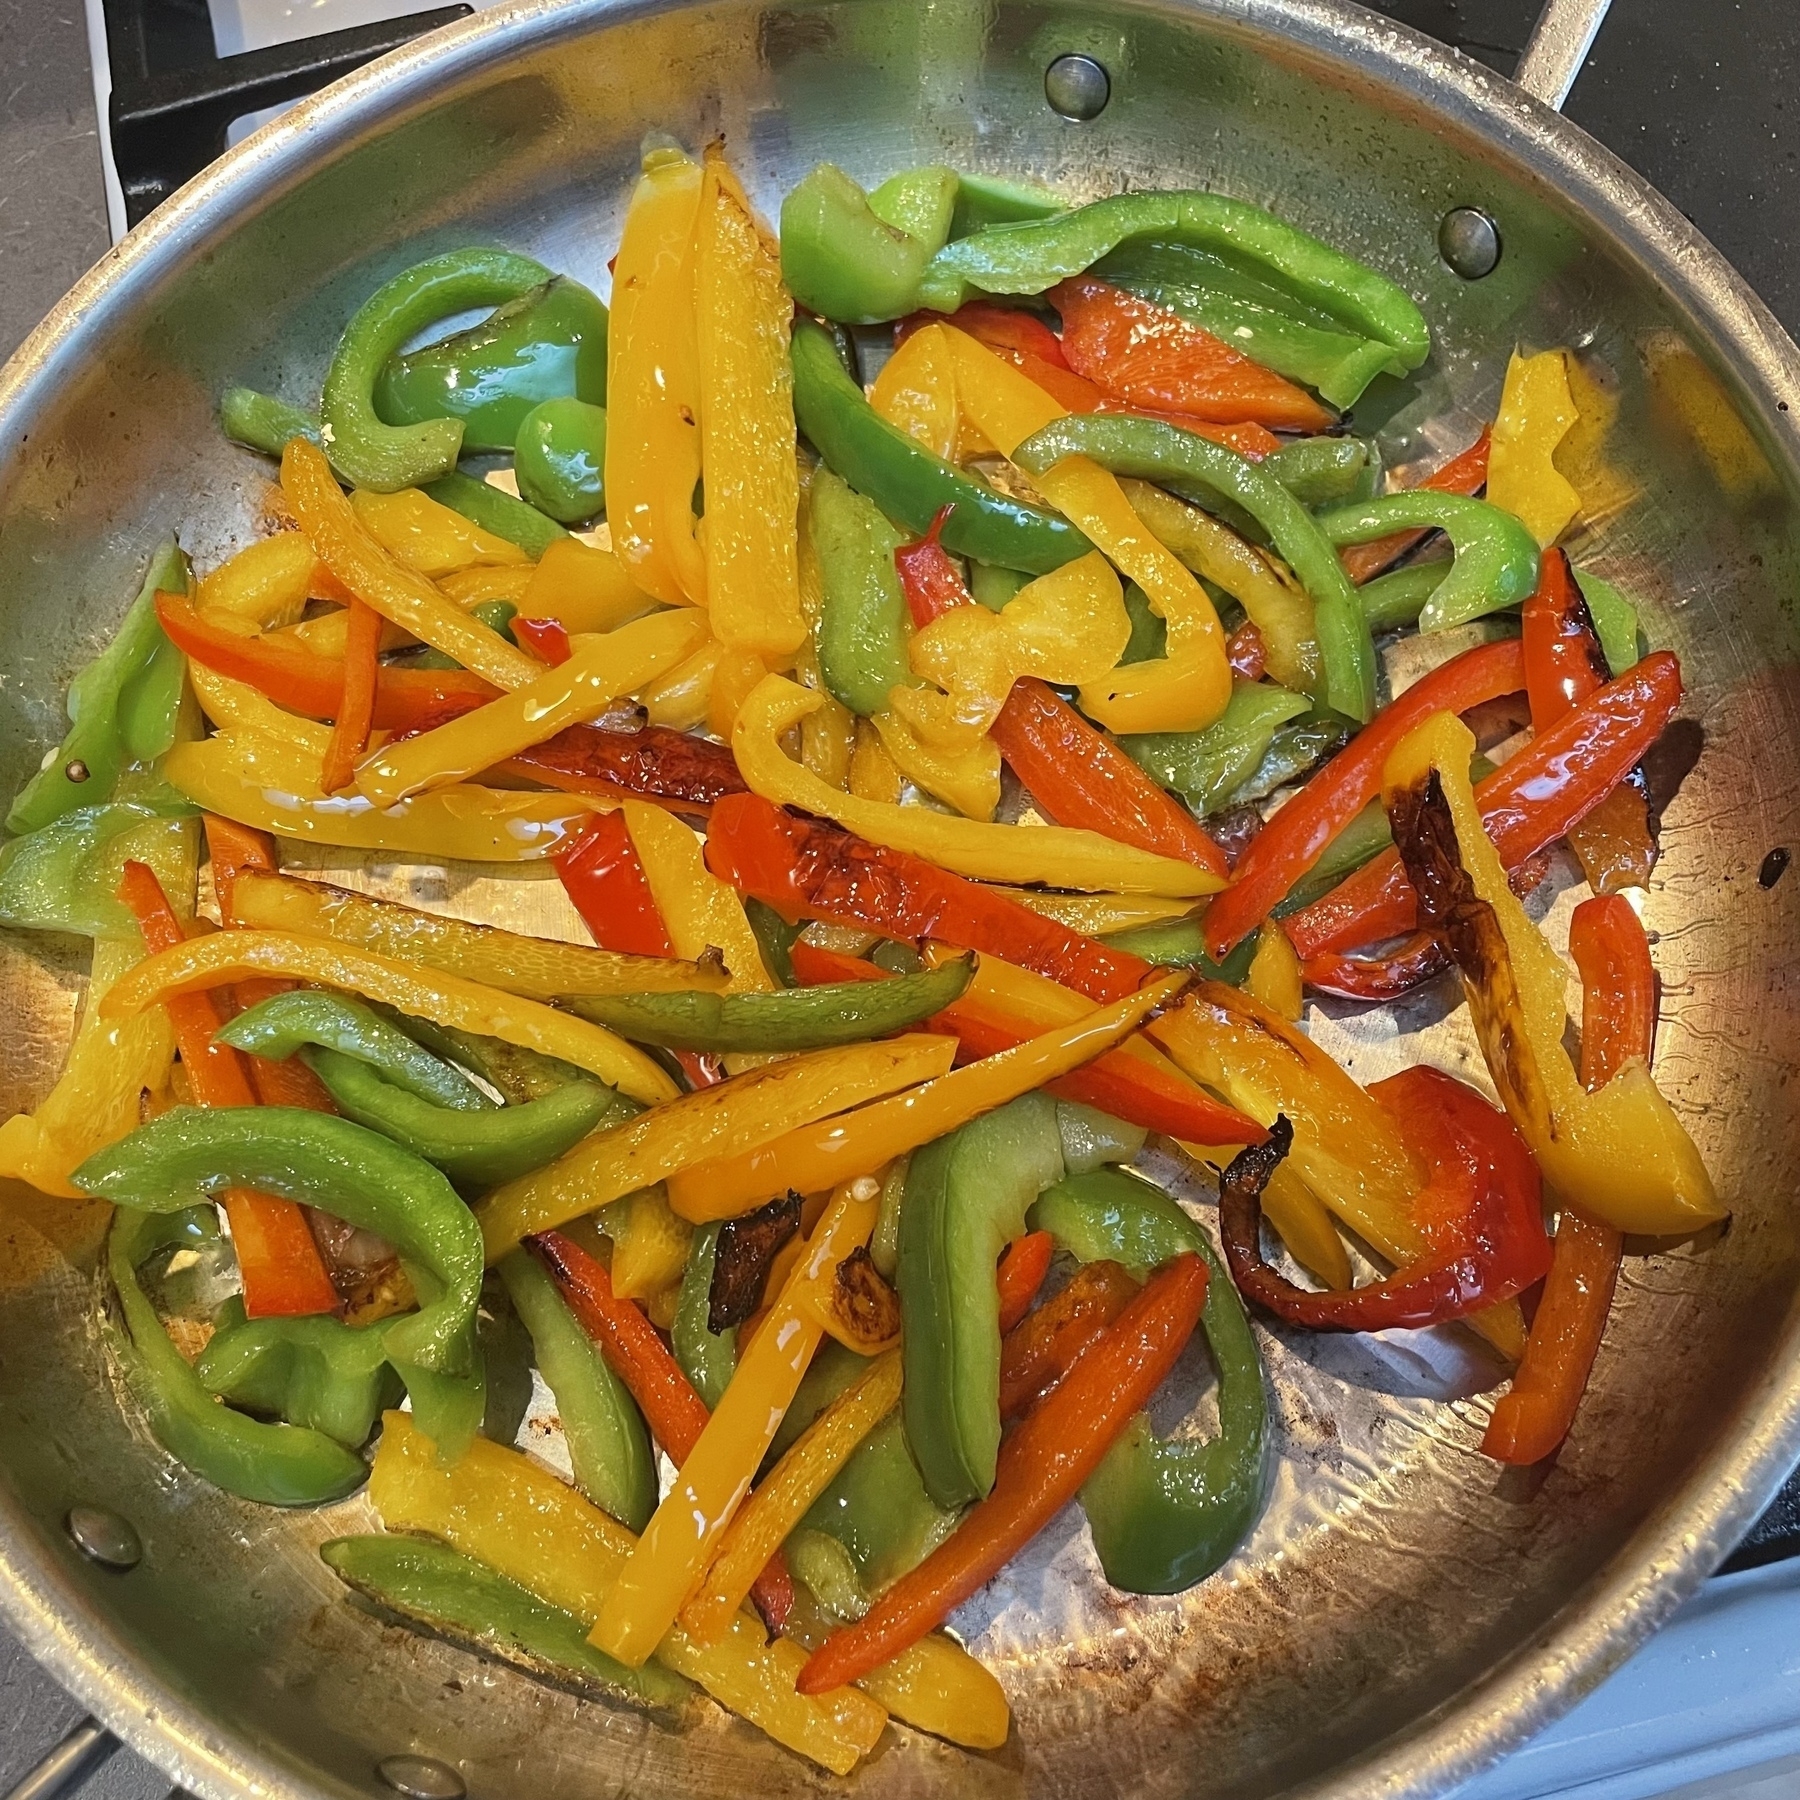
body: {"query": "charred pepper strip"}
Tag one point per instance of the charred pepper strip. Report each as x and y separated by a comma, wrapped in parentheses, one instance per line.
(1043, 1346)
(668, 766)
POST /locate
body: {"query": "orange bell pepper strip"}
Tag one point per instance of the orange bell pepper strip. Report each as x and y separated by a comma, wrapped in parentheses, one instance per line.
(1042, 1466)
(235, 850)
(1020, 1273)
(282, 1271)
(1618, 1023)
(1465, 473)
(1298, 834)
(839, 1150)
(670, 768)
(1041, 1348)
(356, 704)
(675, 1414)
(1151, 357)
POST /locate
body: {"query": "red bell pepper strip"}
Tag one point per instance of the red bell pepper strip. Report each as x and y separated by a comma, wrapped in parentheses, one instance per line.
(235, 850)
(1042, 1465)
(278, 1261)
(932, 583)
(1148, 356)
(675, 1414)
(405, 699)
(1618, 1024)
(686, 774)
(602, 875)
(1080, 777)
(546, 639)
(356, 704)
(1291, 842)
(1002, 328)
(1462, 474)
(1020, 1273)
(1481, 1212)
(1616, 843)
(1128, 1087)
(1044, 1345)
(1387, 977)
(809, 870)
(1527, 804)
(1246, 652)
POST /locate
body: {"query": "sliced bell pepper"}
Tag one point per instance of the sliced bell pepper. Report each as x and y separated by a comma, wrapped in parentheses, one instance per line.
(1043, 1346)
(1041, 1467)
(268, 582)
(1554, 782)
(356, 700)
(817, 1156)
(1288, 846)
(1618, 1025)
(682, 772)
(1052, 855)
(428, 536)
(742, 316)
(963, 773)
(1208, 767)
(859, 257)
(1464, 473)
(749, 1109)
(1375, 978)
(278, 1260)
(1564, 663)
(1274, 977)
(605, 666)
(1620, 1154)
(1021, 1269)
(930, 580)
(559, 458)
(518, 1518)
(64, 876)
(861, 628)
(227, 956)
(1536, 413)
(604, 879)
(1153, 358)
(1097, 914)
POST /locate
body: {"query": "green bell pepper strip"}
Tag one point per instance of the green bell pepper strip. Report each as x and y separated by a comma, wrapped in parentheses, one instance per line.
(517, 1073)
(708, 1358)
(774, 939)
(275, 1028)
(65, 875)
(1165, 1514)
(84, 768)
(475, 1149)
(1092, 1139)
(609, 1447)
(495, 510)
(266, 423)
(548, 344)
(496, 615)
(993, 588)
(1198, 469)
(458, 1598)
(1615, 621)
(1149, 638)
(983, 200)
(279, 1465)
(1397, 598)
(1254, 316)
(1496, 561)
(559, 459)
(1181, 944)
(815, 1018)
(361, 447)
(884, 1240)
(859, 257)
(906, 481)
(1296, 747)
(1319, 470)
(864, 626)
(1030, 257)
(1204, 767)
(151, 703)
(966, 1198)
(317, 1371)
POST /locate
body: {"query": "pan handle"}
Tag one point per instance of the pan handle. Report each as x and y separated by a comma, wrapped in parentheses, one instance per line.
(1559, 44)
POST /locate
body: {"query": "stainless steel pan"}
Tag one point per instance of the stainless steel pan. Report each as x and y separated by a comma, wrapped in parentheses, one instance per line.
(1405, 1613)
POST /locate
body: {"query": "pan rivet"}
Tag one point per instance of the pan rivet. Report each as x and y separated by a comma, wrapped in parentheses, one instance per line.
(104, 1537)
(76, 770)
(421, 1778)
(1469, 242)
(1077, 87)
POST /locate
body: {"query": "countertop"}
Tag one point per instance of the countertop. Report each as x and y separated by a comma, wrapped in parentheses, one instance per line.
(1703, 100)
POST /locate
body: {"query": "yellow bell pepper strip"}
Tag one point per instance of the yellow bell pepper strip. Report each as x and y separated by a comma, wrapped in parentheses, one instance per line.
(672, 1555)
(1280, 609)
(235, 705)
(1619, 1154)
(538, 968)
(819, 1155)
(1052, 855)
(582, 587)
(268, 582)
(1069, 627)
(682, 698)
(481, 582)
(742, 315)
(741, 1113)
(114, 1065)
(378, 580)
(781, 1499)
(450, 1000)
(1274, 976)
(699, 911)
(271, 784)
(735, 676)
(1183, 691)
(653, 386)
(965, 776)
(513, 1514)
(426, 535)
(916, 390)
(1096, 914)
(650, 1248)
(1536, 413)
(873, 774)
(602, 668)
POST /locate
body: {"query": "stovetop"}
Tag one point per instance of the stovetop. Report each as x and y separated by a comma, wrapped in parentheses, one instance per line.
(1703, 100)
